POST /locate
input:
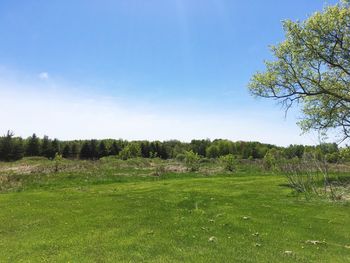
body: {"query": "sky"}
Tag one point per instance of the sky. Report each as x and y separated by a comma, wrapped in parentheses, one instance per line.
(136, 69)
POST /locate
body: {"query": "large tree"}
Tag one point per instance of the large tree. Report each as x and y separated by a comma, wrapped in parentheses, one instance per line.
(33, 146)
(312, 68)
(11, 148)
(46, 147)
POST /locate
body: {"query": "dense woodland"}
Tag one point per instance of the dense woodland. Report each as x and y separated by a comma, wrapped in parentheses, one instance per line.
(14, 148)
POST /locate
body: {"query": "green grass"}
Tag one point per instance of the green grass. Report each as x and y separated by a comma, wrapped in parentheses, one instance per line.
(118, 212)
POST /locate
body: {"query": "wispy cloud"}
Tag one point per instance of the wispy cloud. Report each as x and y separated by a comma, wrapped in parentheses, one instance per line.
(27, 107)
(43, 75)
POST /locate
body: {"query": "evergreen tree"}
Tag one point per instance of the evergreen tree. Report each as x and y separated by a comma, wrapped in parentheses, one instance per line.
(55, 148)
(102, 150)
(145, 149)
(33, 146)
(93, 149)
(74, 150)
(18, 149)
(115, 149)
(153, 150)
(85, 151)
(46, 149)
(11, 148)
(162, 152)
(67, 153)
(6, 147)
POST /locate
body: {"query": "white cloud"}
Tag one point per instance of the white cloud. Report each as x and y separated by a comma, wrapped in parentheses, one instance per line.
(60, 113)
(43, 75)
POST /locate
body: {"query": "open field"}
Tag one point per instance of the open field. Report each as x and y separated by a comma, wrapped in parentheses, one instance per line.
(125, 211)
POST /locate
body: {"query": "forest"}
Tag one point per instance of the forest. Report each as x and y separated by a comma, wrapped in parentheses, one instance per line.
(14, 148)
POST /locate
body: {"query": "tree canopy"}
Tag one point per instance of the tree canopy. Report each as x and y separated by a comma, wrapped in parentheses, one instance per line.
(312, 69)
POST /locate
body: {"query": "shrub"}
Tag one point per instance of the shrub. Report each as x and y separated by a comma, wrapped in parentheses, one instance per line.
(272, 158)
(229, 161)
(332, 157)
(345, 154)
(132, 150)
(192, 161)
(58, 160)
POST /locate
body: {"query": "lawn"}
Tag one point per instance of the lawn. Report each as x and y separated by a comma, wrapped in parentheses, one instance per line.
(124, 214)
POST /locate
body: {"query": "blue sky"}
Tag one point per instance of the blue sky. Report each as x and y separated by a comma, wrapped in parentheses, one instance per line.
(158, 69)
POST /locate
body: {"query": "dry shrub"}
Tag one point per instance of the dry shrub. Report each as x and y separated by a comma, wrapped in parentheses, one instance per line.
(309, 175)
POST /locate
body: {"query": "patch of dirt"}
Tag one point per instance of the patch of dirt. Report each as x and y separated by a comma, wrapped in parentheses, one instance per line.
(20, 169)
(176, 168)
(340, 192)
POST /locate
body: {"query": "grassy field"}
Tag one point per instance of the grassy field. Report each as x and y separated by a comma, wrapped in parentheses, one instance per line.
(125, 211)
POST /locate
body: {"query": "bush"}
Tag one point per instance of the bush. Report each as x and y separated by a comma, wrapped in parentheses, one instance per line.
(132, 150)
(58, 161)
(229, 161)
(272, 158)
(192, 161)
(345, 154)
(332, 157)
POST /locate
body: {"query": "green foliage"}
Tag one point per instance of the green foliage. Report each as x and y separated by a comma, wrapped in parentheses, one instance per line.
(272, 159)
(115, 149)
(58, 161)
(89, 150)
(332, 157)
(145, 149)
(67, 152)
(85, 152)
(199, 146)
(18, 149)
(46, 149)
(97, 149)
(212, 151)
(11, 148)
(75, 150)
(102, 150)
(33, 146)
(312, 68)
(225, 147)
(229, 161)
(344, 154)
(132, 150)
(192, 161)
(294, 151)
(55, 148)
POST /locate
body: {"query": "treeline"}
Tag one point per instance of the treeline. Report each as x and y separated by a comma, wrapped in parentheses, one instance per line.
(15, 148)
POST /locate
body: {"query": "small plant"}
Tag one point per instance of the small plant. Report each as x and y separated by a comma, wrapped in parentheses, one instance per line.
(272, 159)
(58, 160)
(229, 161)
(192, 161)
